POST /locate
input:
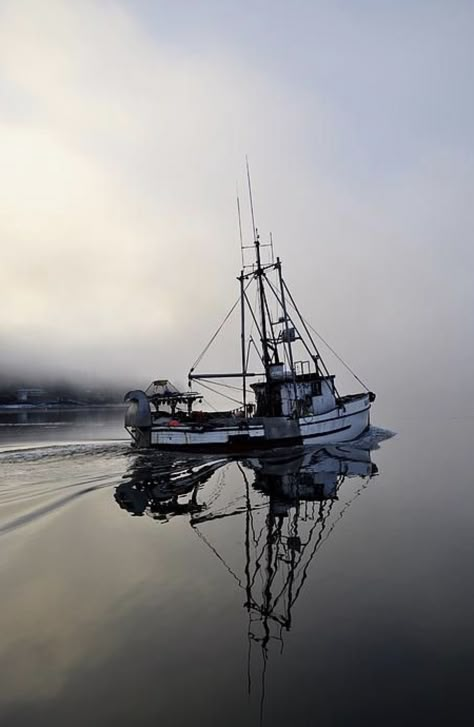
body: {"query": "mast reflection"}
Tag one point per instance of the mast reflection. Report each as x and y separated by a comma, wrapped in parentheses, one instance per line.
(288, 504)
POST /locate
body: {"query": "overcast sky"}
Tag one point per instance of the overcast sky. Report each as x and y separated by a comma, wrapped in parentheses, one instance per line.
(123, 133)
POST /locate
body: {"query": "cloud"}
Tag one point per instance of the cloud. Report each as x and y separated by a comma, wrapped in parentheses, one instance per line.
(121, 141)
(115, 224)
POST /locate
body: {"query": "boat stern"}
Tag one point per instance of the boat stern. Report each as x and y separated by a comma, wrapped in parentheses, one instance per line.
(138, 417)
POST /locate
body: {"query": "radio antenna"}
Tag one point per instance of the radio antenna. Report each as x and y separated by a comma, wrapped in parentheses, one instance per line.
(251, 199)
(240, 230)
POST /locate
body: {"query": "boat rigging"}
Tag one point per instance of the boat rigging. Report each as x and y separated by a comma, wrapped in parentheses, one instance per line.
(294, 400)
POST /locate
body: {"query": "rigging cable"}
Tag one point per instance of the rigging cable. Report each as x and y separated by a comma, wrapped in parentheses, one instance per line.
(219, 393)
(227, 386)
(251, 333)
(206, 348)
(208, 403)
(308, 324)
(211, 547)
(310, 338)
(339, 358)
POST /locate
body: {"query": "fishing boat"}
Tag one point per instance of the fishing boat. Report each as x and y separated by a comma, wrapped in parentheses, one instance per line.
(287, 398)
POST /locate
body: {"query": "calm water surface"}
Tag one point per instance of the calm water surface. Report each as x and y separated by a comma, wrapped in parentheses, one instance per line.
(326, 587)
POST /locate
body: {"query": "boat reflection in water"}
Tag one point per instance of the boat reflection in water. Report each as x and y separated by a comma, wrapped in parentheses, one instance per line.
(286, 504)
(314, 476)
(163, 486)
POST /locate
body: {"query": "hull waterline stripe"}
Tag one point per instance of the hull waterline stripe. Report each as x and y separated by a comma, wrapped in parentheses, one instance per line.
(250, 445)
(333, 419)
(325, 434)
(257, 428)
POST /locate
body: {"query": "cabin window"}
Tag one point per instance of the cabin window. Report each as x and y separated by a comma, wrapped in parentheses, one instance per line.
(316, 388)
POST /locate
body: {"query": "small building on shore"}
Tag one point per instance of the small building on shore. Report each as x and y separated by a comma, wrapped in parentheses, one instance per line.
(30, 395)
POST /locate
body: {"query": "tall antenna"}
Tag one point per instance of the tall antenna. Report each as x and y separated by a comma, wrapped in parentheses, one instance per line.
(259, 274)
(240, 230)
(251, 199)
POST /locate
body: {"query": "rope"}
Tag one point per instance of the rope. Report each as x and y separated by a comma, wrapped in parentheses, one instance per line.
(339, 358)
(208, 403)
(211, 547)
(206, 348)
(219, 393)
(226, 386)
(308, 324)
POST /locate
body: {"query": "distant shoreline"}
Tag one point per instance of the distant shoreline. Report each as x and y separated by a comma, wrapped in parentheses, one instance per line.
(42, 408)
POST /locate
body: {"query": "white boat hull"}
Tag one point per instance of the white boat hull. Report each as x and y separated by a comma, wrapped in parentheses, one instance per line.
(342, 424)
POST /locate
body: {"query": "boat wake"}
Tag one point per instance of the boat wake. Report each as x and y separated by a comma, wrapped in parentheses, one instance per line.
(43, 479)
(372, 438)
(39, 480)
(52, 451)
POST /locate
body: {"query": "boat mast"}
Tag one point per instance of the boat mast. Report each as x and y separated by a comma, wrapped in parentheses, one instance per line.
(242, 340)
(242, 314)
(259, 273)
